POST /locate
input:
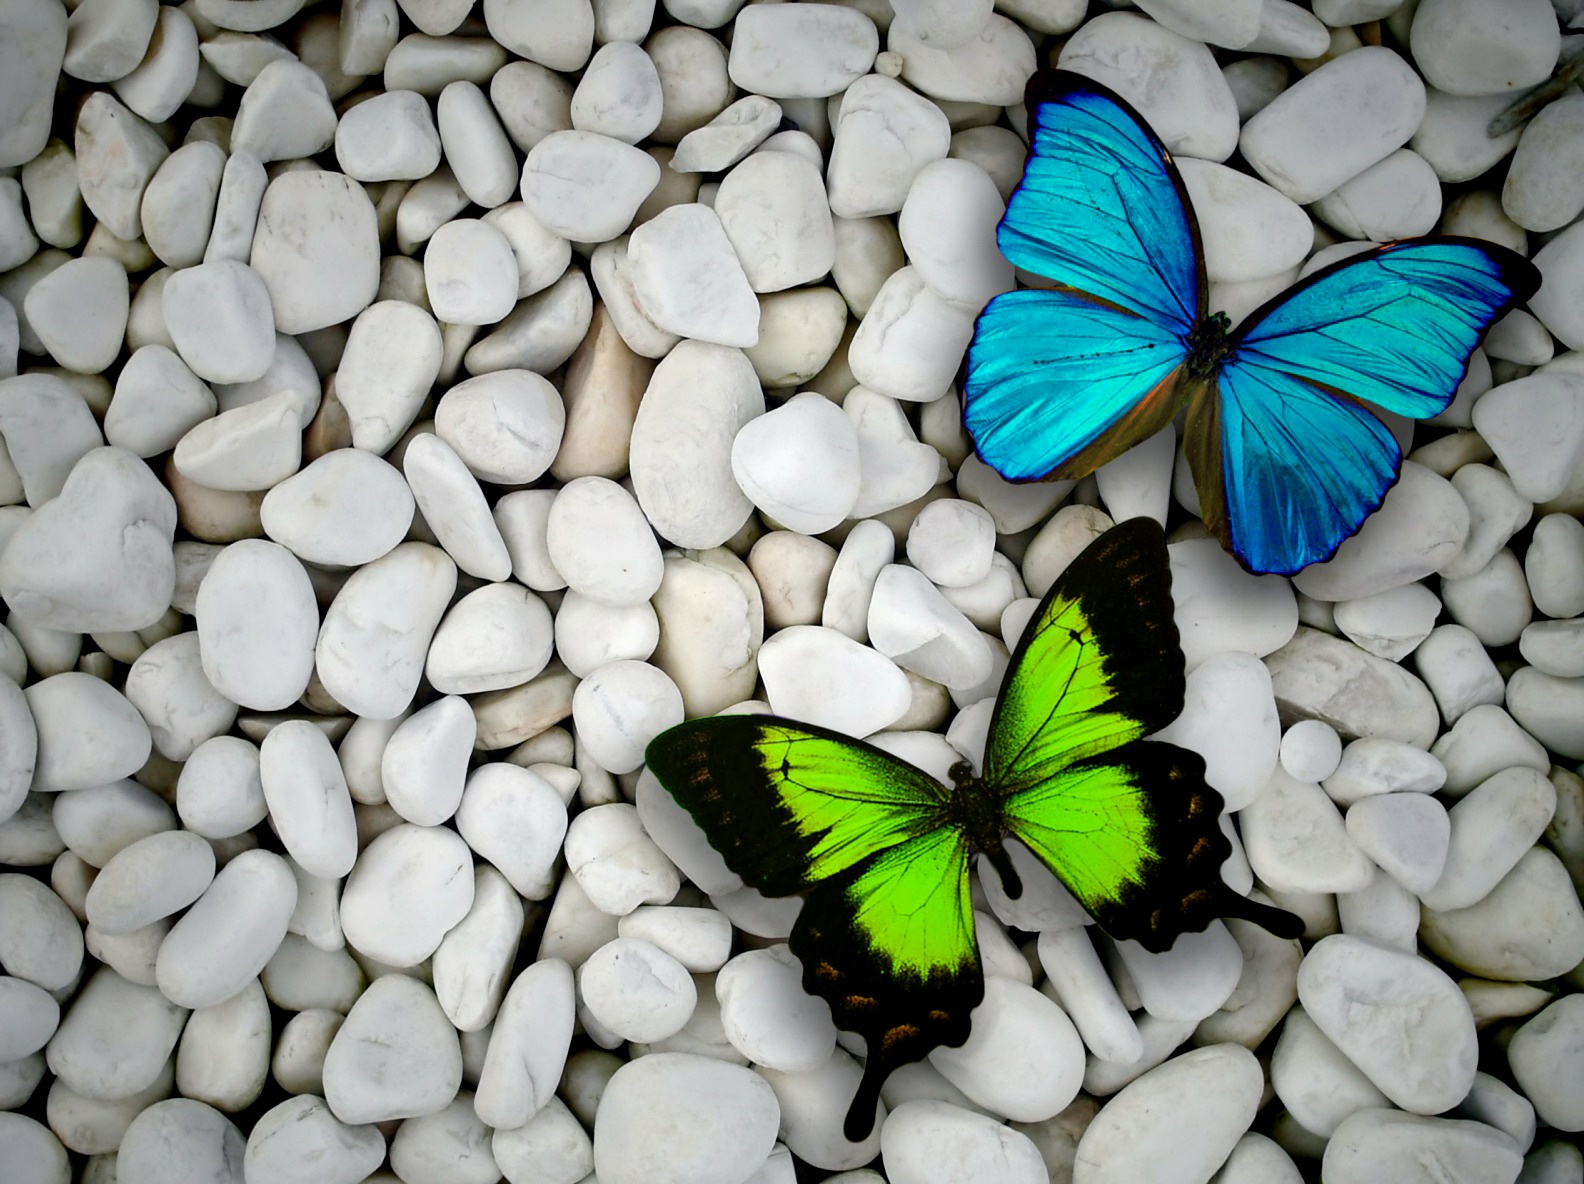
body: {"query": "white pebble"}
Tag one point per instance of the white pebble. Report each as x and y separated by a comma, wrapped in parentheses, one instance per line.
(911, 623)
(317, 249)
(820, 676)
(88, 733)
(308, 798)
(1535, 425)
(676, 1118)
(1485, 741)
(410, 886)
(470, 273)
(700, 939)
(528, 1045)
(257, 625)
(793, 53)
(79, 312)
(392, 357)
(774, 210)
(799, 463)
(992, 68)
(884, 134)
(426, 759)
(586, 187)
(1332, 125)
(388, 137)
(225, 939)
(1221, 607)
(768, 1016)
(1405, 834)
(1458, 671)
(1396, 1016)
(301, 1138)
(1545, 1055)
(697, 400)
(952, 542)
(616, 863)
(154, 877)
(601, 543)
(1311, 750)
(97, 557)
(1466, 47)
(911, 341)
(496, 637)
(622, 706)
(1023, 1057)
(346, 508)
(1492, 827)
(636, 990)
(1177, 1121)
(687, 280)
(619, 94)
(1296, 840)
(396, 1056)
(1316, 676)
(1389, 624)
(371, 647)
(727, 138)
(894, 467)
(1378, 1145)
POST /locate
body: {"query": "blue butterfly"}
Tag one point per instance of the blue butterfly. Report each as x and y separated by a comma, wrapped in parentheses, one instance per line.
(1288, 452)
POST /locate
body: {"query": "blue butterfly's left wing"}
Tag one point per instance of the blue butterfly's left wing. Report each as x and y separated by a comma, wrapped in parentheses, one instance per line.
(1061, 381)
(1288, 454)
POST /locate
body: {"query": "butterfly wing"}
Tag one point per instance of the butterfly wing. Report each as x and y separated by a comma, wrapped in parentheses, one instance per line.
(1101, 208)
(886, 937)
(1059, 382)
(1127, 824)
(1288, 454)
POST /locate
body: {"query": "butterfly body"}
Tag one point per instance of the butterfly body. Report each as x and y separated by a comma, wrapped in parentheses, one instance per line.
(884, 850)
(1282, 426)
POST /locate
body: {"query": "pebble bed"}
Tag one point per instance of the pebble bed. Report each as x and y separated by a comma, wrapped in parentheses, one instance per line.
(411, 407)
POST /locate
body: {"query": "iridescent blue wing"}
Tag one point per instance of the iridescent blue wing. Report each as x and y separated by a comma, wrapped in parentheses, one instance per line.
(1291, 458)
(1101, 207)
(1061, 381)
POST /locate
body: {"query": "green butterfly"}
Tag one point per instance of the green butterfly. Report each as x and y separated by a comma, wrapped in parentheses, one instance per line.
(886, 935)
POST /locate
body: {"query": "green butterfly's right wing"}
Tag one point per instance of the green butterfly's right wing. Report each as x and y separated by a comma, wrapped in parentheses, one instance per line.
(1128, 825)
(886, 935)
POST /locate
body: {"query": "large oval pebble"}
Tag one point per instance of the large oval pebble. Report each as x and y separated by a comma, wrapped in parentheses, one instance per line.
(675, 1118)
(1177, 1122)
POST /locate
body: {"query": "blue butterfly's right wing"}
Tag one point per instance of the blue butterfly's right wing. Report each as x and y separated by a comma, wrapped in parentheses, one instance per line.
(1060, 382)
(1292, 457)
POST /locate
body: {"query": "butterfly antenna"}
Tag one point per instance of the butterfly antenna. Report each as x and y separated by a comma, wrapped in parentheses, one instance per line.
(860, 1119)
(1273, 920)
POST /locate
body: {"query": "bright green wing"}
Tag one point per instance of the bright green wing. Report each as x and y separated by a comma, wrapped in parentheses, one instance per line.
(1099, 665)
(1128, 825)
(886, 935)
(789, 804)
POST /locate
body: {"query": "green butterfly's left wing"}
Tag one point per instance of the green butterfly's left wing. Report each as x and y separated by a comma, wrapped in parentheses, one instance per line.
(1128, 825)
(886, 935)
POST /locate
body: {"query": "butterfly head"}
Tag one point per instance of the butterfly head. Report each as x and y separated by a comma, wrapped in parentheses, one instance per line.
(1207, 345)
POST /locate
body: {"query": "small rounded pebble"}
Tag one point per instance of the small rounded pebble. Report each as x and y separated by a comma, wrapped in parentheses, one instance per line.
(396, 1056)
(636, 990)
(1311, 750)
(408, 888)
